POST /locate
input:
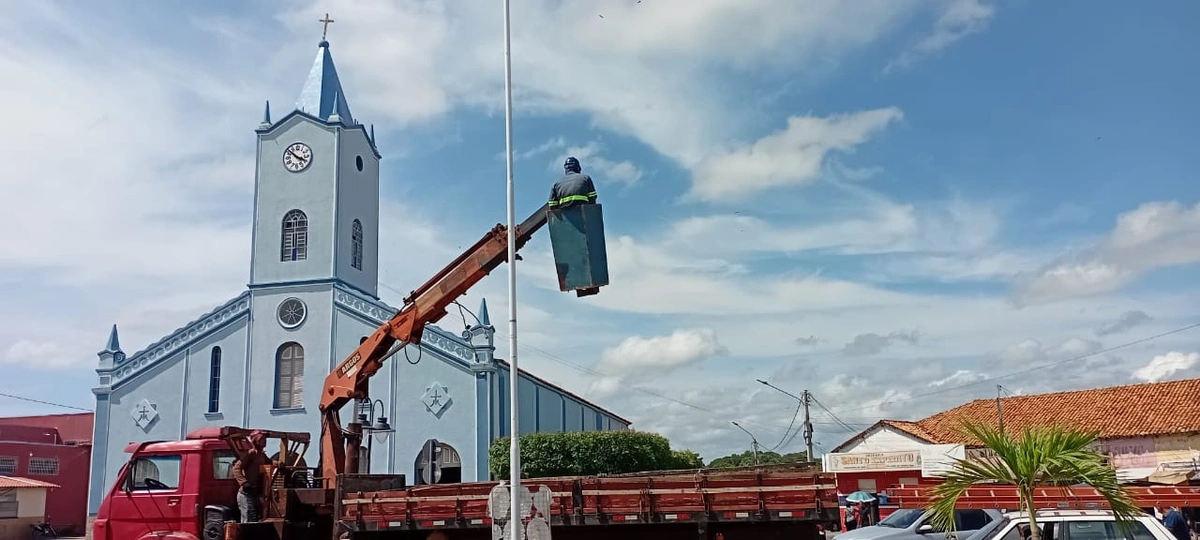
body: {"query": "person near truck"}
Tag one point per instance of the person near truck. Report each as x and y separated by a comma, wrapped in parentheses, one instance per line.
(574, 187)
(1175, 523)
(247, 470)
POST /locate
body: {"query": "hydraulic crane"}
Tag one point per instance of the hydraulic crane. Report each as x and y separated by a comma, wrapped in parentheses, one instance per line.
(424, 305)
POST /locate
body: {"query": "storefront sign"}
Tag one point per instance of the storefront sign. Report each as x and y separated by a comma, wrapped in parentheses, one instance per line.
(939, 459)
(873, 461)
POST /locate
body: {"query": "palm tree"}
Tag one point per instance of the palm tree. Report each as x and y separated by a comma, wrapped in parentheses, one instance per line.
(1042, 456)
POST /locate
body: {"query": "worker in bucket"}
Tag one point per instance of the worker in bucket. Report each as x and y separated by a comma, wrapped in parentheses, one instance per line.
(574, 188)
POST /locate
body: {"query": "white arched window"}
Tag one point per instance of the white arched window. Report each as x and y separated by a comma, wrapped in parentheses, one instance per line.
(294, 244)
(289, 376)
(356, 245)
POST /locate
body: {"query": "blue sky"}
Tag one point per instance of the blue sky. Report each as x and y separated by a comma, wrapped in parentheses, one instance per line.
(896, 205)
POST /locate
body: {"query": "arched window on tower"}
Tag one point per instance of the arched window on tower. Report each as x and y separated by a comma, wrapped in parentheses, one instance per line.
(289, 376)
(356, 245)
(294, 245)
(214, 380)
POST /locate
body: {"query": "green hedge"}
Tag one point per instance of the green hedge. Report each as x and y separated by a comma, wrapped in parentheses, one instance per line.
(590, 452)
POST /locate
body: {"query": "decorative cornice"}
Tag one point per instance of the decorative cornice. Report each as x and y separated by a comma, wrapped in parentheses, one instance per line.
(180, 339)
(439, 340)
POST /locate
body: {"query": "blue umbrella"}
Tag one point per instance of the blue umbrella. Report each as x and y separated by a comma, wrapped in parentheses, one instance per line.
(860, 496)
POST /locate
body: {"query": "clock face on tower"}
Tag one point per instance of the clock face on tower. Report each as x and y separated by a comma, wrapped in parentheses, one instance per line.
(297, 157)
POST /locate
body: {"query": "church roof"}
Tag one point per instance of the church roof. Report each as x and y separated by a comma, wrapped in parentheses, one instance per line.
(322, 95)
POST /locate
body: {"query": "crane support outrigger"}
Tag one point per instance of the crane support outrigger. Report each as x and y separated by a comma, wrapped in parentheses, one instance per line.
(424, 305)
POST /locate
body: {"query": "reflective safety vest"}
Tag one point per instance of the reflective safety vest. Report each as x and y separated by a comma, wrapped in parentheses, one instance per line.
(573, 188)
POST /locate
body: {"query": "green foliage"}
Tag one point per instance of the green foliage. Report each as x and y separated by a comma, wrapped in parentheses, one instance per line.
(746, 459)
(686, 459)
(1049, 456)
(582, 453)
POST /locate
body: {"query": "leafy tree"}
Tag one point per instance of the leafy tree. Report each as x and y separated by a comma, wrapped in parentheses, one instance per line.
(687, 459)
(580, 453)
(1048, 456)
(746, 459)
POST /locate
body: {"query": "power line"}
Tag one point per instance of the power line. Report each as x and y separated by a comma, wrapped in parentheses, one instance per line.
(1030, 370)
(22, 398)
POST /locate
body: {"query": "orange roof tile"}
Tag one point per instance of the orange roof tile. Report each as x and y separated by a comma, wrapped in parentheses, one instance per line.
(911, 428)
(1135, 410)
(17, 482)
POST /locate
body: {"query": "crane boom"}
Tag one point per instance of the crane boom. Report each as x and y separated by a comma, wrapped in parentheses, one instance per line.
(424, 305)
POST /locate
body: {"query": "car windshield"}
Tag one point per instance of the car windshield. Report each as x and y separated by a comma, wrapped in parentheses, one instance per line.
(990, 530)
(902, 519)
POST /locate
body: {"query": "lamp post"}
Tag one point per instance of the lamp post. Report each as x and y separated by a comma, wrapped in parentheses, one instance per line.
(753, 441)
(808, 427)
(373, 424)
(514, 449)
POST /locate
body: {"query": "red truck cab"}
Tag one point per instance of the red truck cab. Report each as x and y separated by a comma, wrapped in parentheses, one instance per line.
(171, 490)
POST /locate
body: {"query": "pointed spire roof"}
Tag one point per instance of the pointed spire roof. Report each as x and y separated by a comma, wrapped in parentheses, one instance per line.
(484, 319)
(114, 345)
(322, 94)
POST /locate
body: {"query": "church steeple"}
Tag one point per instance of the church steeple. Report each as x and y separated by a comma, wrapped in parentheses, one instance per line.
(322, 95)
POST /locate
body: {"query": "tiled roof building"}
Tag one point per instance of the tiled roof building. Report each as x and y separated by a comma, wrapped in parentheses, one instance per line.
(1135, 410)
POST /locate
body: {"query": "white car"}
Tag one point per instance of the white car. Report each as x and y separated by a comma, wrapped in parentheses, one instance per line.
(1073, 525)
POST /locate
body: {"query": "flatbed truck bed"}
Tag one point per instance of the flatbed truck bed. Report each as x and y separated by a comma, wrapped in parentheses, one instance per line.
(738, 503)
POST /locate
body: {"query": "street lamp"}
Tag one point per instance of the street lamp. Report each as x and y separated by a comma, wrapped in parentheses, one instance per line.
(753, 441)
(373, 424)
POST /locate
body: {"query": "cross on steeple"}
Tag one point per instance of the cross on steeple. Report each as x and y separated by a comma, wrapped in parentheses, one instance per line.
(325, 29)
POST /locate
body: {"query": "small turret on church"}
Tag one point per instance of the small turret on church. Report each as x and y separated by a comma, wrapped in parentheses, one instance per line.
(109, 357)
(482, 337)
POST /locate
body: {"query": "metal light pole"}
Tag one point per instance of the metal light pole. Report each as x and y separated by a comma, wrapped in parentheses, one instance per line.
(514, 449)
(753, 441)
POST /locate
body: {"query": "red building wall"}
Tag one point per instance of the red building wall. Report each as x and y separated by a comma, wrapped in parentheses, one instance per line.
(27, 439)
(848, 483)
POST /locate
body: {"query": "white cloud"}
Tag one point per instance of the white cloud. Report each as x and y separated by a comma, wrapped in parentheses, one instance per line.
(960, 19)
(1166, 365)
(654, 71)
(792, 156)
(603, 170)
(1031, 351)
(41, 356)
(662, 354)
(1154, 235)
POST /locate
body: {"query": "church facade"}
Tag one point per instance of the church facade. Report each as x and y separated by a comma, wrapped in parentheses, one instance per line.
(260, 359)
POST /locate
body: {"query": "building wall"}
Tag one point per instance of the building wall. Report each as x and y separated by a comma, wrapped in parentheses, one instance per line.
(70, 427)
(66, 506)
(883, 439)
(358, 198)
(31, 507)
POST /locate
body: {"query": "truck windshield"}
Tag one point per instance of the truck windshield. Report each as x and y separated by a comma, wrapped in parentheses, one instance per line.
(902, 519)
(155, 472)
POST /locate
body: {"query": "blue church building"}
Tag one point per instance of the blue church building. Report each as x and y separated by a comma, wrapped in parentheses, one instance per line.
(260, 359)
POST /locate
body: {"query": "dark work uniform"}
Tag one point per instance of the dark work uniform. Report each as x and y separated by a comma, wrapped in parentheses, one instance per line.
(572, 189)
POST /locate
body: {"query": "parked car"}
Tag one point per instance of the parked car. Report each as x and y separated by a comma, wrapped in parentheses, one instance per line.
(1074, 525)
(913, 524)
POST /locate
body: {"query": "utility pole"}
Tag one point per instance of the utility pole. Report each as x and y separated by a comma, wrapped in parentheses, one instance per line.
(999, 410)
(753, 441)
(808, 427)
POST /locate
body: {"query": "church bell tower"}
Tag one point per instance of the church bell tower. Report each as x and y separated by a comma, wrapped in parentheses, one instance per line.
(316, 203)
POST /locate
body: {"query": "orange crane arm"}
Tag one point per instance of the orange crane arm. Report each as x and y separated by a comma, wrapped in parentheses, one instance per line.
(427, 304)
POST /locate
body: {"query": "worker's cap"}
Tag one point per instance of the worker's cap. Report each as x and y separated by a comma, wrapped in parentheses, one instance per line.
(571, 163)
